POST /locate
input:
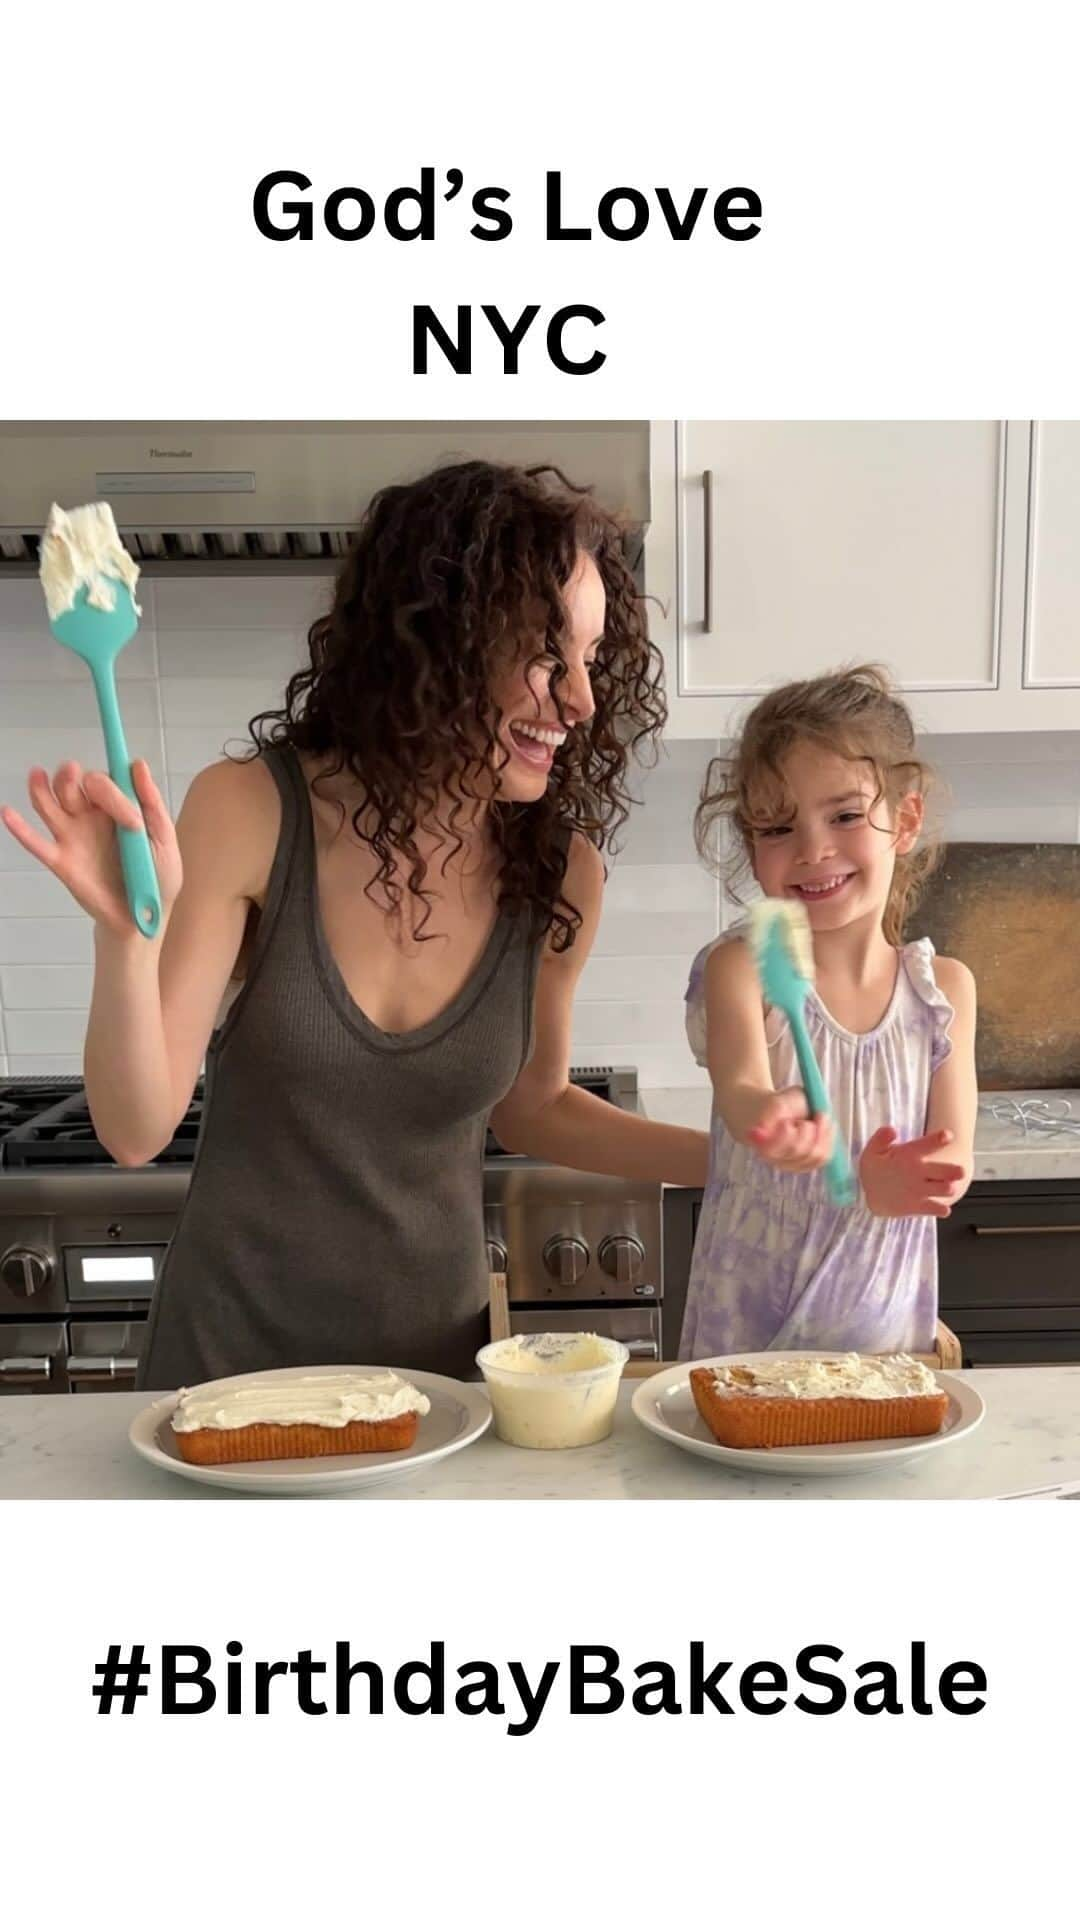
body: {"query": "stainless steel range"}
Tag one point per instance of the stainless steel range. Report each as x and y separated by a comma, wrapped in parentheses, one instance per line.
(82, 1240)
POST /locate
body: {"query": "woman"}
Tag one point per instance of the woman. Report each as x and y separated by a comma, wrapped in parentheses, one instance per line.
(405, 879)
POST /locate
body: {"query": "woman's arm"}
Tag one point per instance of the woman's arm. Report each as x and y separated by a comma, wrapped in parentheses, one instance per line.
(154, 1002)
(544, 1115)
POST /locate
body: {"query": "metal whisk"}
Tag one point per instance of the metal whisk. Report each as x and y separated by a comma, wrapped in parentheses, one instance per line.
(1034, 1116)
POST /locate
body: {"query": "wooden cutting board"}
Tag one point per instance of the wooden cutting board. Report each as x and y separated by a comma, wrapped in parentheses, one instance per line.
(1013, 914)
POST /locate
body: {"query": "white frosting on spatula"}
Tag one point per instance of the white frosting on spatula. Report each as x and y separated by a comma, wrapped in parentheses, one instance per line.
(83, 549)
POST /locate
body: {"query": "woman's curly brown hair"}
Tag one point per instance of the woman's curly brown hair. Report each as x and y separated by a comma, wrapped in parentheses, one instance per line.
(855, 712)
(450, 578)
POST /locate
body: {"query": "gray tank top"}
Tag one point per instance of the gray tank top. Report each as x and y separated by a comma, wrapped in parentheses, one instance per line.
(335, 1213)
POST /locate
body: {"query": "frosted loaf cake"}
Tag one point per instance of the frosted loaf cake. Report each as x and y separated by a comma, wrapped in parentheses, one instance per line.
(302, 1417)
(800, 1400)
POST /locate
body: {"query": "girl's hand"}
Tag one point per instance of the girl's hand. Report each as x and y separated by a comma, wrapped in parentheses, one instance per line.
(787, 1136)
(900, 1179)
(82, 812)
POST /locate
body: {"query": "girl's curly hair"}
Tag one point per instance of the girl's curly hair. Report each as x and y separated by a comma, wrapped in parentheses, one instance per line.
(450, 580)
(855, 712)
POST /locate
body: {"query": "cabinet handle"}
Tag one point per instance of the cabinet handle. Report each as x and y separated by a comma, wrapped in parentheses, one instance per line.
(707, 490)
(25, 1370)
(988, 1232)
(102, 1366)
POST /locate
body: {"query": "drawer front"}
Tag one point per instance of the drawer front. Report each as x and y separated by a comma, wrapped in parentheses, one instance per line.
(1012, 1253)
(33, 1356)
(1029, 1348)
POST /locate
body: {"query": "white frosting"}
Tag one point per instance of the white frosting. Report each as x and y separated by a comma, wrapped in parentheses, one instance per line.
(549, 1353)
(83, 549)
(855, 1376)
(553, 1389)
(315, 1400)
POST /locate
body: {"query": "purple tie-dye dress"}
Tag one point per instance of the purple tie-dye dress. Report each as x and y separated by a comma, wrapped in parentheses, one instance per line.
(775, 1263)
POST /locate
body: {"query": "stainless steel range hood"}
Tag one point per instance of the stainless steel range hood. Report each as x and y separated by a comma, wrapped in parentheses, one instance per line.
(262, 496)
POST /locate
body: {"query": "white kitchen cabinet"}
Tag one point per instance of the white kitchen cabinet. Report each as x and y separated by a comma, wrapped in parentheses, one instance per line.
(1052, 623)
(782, 548)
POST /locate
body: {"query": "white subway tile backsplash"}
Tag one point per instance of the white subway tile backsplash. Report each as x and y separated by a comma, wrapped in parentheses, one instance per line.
(632, 978)
(189, 748)
(31, 653)
(22, 609)
(13, 857)
(648, 933)
(286, 603)
(34, 896)
(176, 791)
(231, 653)
(1026, 783)
(604, 1023)
(660, 826)
(231, 701)
(28, 987)
(946, 751)
(45, 705)
(45, 942)
(659, 889)
(1022, 825)
(49, 744)
(51, 1064)
(55, 1031)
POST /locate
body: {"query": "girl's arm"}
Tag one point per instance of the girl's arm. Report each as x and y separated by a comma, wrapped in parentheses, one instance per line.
(954, 1092)
(544, 1115)
(775, 1124)
(931, 1174)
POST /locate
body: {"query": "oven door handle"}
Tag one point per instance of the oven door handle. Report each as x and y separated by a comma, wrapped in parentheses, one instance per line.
(102, 1366)
(25, 1370)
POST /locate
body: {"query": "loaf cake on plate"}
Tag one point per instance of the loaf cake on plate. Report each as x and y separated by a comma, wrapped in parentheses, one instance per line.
(295, 1417)
(810, 1399)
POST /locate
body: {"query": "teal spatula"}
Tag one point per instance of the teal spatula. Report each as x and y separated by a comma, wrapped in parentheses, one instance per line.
(97, 637)
(784, 953)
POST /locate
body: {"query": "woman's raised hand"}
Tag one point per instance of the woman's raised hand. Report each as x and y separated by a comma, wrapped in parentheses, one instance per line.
(82, 812)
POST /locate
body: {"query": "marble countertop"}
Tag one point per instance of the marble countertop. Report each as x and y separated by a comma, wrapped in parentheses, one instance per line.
(1002, 1152)
(60, 1447)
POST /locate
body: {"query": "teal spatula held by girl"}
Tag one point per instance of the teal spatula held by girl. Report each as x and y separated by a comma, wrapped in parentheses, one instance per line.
(783, 951)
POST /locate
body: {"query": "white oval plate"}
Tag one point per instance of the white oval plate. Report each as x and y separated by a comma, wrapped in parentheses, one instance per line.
(460, 1413)
(665, 1404)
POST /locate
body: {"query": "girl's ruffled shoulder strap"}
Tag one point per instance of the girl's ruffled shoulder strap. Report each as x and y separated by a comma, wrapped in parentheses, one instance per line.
(695, 993)
(918, 961)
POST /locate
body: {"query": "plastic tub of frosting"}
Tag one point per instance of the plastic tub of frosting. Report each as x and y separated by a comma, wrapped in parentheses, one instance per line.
(553, 1389)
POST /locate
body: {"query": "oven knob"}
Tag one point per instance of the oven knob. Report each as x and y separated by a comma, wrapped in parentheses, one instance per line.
(566, 1260)
(496, 1256)
(622, 1257)
(25, 1270)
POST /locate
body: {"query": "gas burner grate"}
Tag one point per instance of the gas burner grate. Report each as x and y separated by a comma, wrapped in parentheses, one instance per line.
(23, 1100)
(47, 1123)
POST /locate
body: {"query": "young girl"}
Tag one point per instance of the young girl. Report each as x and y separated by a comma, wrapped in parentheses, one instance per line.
(826, 799)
